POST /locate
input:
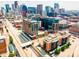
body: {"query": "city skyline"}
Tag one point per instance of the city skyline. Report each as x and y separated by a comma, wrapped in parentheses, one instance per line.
(39, 28)
(63, 4)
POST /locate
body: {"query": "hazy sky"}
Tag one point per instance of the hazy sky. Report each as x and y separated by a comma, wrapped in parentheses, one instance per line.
(68, 5)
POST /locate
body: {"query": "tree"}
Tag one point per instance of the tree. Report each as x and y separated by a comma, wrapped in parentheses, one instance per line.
(63, 48)
(11, 54)
(10, 39)
(57, 51)
(6, 29)
(68, 44)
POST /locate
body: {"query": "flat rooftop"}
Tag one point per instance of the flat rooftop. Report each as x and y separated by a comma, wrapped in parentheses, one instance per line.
(51, 38)
(2, 37)
(55, 37)
(30, 20)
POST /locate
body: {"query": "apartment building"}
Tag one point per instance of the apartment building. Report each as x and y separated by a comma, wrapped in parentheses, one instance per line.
(2, 44)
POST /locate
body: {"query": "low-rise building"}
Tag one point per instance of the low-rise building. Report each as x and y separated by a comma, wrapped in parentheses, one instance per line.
(63, 38)
(17, 23)
(52, 41)
(75, 29)
(63, 24)
(2, 44)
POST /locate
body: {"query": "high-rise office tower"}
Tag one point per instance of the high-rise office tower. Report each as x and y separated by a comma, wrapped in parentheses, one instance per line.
(39, 9)
(31, 10)
(2, 10)
(49, 11)
(30, 27)
(56, 8)
(16, 4)
(7, 8)
(13, 7)
(16, 7)
(56, 5)
(23, 10)
(62, 11)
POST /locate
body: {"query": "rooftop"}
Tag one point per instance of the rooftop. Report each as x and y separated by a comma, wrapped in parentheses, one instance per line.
(51, 38)
(77, 24)
(32, 21)
(2, 37)
(55, 37)
(17, 20)
(63, 22)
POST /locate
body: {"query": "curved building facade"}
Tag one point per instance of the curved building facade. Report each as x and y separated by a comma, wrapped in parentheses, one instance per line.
(23, 9)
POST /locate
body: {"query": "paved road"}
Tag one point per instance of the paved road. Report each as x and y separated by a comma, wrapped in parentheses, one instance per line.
(68, 52)
(14, 33)
(73, 50)
(16, 41)
(76, 52)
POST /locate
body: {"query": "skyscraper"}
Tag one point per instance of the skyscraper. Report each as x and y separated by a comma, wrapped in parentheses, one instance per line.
(56, 5)
(49, 11)
(62, 11)
(2, 10)
(39, 9)
(13, 7)
(30, 27)
(56, 8)
(31, 10)
(23, 10)
(7, 8)
(16, 4)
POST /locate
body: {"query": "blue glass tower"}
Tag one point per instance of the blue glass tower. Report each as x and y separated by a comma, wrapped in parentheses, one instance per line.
(39, 9)
(7, 8)
(23, 9)
(56, 8)
(31, 10)
(49, 11)
(13, 7)
(56, 5)
(16, 4)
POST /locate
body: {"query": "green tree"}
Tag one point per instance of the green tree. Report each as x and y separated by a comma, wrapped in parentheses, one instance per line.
(68, 44)
(63, 48)
(10, 39)
(11, 54)
(57, 51)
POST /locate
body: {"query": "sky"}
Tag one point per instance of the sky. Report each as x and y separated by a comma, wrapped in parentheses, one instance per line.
(68, 5)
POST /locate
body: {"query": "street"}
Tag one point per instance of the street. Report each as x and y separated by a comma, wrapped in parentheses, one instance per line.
(73, 50)
(15, 34)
